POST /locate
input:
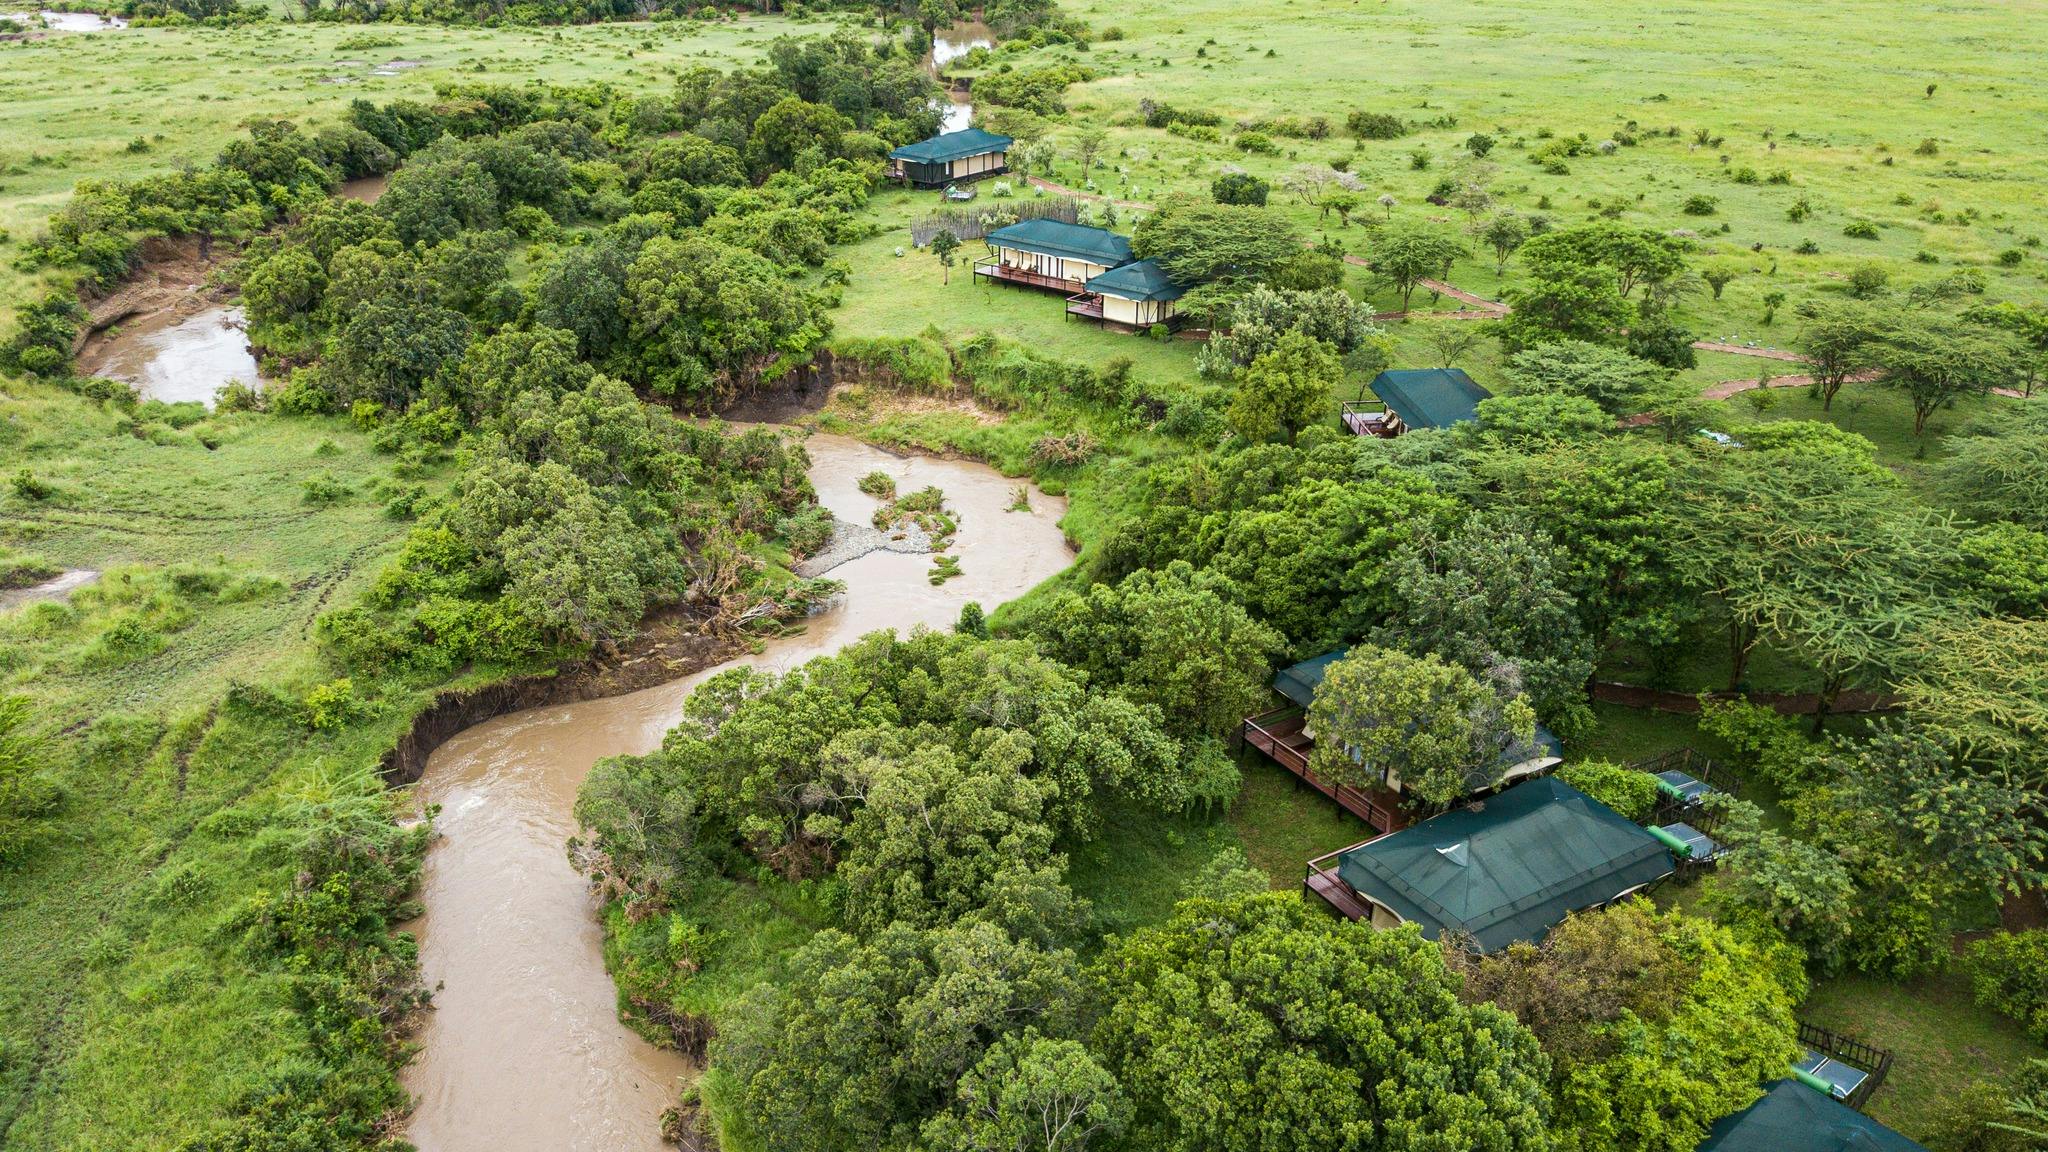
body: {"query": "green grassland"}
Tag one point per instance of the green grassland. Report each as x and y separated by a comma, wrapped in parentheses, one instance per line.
(128, 103)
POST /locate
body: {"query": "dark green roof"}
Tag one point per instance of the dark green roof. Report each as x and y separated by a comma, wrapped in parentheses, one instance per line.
(1509, 867)
(1067, 241)
(952, 146)
(1794, 1118)
(1429, 397)
(1138, 280)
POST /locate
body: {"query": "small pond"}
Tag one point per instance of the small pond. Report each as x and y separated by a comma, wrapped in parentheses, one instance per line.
(171, 358)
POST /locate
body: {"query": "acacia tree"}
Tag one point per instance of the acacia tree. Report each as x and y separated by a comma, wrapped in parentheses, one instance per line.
(1406, 254)
(1382, 715)
(1981, 686)
(1263, 1023)
(1616, 380)
(1197, 242)
(1087, 149)
(1565, 302)
(1812, 550)
(1504, 232)
(1837, 342)
(1936, 362)
(1631, 255)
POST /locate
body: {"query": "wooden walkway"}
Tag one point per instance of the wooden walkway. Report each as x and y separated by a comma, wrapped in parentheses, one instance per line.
(1280, 737)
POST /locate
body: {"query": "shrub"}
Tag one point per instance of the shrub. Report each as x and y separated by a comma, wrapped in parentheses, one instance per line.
(1376, 126)
(1860, 230)
(1867, 281)
(1629, 791)
(1479, 144)
(28, 487)
(1256, 142)
(1700, 205)
(807, 531)
(1766, 743)
(2011, 257)
(334, 704)
(1927, 147)
(324, 488)
(1807, 248)
(1239, 188)
(2009, 973)
(880, 485)
(1744, 175)
(1066, 451)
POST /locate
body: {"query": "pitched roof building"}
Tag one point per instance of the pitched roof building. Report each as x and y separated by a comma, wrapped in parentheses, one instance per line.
(1794, 1118)
(1418, 398)
(1503, 869)
(1053, 254)
(951, 158)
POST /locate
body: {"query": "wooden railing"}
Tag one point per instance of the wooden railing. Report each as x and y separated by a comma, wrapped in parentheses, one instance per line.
(1278, 734)
(1872, 1059)
(1085, 304)
(993, 268)
(1365, 421)
(1321, 880)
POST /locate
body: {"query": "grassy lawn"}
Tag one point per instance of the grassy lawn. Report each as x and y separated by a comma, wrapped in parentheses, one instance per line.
(899, 296)
(1941, 1041)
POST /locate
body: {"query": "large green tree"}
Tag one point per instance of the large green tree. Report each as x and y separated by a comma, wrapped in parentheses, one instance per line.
(1286, 389)
(1384, 718)
(1262, 1024)
(1936, 361)
(1197, 242)
(1657, 1025)
(1176, 638)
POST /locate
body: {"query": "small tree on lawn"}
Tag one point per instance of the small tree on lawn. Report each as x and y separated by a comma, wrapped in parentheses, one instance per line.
(1504, 232)
(1406, 255)
(944, 245)
(1087, 148)
(1381, 712)
(1936, 361)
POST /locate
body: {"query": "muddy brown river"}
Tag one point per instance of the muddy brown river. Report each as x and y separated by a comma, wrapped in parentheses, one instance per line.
(523, 1049)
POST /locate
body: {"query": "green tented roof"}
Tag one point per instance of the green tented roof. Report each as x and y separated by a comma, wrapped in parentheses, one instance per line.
(1064, 240)
(1138, 280)
(949, 146)
(1429, 397)
(1509, 867)
(1794, 1118)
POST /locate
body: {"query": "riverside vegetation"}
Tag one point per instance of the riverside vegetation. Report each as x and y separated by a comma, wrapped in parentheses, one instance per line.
(924, 893)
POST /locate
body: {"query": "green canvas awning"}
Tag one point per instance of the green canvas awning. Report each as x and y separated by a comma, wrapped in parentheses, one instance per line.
(950, 146)
(1509, 867)
(1064, 240)
(1429, 397)
(1794, 1118)
(1138, 280)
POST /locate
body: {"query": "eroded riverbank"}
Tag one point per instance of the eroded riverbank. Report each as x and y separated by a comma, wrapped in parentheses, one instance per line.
(523, 1049)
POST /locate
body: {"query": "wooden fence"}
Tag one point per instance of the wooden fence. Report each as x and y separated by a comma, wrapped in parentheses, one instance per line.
(975, 222)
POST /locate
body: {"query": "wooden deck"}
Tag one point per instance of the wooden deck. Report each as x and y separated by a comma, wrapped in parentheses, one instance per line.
(1086, 305)
(1280, 737)
(988, 268)
(1363, 420)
